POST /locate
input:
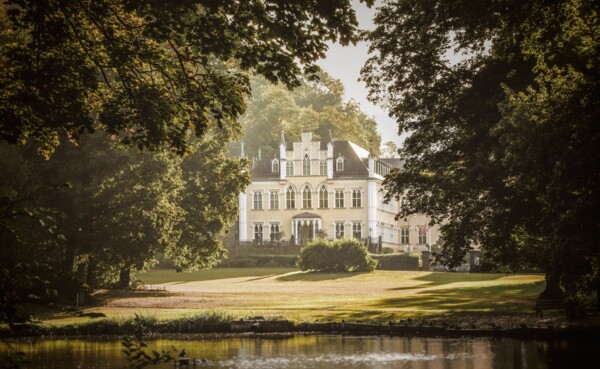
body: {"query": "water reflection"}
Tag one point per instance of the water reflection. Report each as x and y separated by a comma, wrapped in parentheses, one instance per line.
(320, 352)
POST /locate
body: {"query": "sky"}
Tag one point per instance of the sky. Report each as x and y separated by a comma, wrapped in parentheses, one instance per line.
(344, 63)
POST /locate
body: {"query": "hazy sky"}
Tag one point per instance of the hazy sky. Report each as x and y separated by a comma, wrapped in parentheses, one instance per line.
(344, 63)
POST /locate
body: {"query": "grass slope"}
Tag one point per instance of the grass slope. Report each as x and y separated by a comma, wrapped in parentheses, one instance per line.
(380, 295)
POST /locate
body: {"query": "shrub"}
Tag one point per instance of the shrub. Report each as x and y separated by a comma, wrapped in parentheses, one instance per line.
(317, 255)
(251, 261)
(352, 256)
(397, 261)
(343, 255)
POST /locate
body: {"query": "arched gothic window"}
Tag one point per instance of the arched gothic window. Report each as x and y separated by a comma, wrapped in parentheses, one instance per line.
(306, 197)
(275, 166)
(340, 164)
(323, 200)
(306, 165)
(290, 198)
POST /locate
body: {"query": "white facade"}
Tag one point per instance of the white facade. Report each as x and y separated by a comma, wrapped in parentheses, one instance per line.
(333, 189)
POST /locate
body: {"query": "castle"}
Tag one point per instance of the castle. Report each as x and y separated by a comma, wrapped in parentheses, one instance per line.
(327, 189)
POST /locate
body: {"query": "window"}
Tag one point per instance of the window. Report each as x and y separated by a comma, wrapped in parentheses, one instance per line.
(274, 200)
(340, 164)
(306, 198)
(339, 198)
(306, 165)
(357, 230)
(323, 168)
(323, 200)
(422, 235)
(258, 232)
(404, 236)
(275, 166)
(356, 199)
(258, 205)
(289, 167)
(290, 198)
(275, 228)
(339, 230)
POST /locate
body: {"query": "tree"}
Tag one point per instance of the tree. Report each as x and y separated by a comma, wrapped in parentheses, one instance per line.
(390, 149)
(152, 72)
(314, 105)
(503, 143)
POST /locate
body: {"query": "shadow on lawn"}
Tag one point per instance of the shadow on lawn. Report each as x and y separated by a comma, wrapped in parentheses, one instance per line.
(316, 276)
(441, 278)
(504, 298)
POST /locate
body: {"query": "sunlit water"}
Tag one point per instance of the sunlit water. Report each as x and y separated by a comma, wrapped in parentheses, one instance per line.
(327, 351)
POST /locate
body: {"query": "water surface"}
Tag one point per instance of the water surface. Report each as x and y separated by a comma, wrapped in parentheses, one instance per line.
(325, 352)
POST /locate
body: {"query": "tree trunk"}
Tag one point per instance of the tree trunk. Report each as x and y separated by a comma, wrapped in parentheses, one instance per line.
(90, 278)
(69, 259)
(124, 277)
(552, 290)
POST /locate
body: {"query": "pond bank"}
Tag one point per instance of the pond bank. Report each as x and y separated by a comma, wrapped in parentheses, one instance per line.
(521, 327)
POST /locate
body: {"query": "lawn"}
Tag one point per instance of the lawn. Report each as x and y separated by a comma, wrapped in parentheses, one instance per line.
(303, 296)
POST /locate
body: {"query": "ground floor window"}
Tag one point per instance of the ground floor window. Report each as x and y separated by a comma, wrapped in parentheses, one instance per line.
(258, 232)
(339, 230)
(422, 235)
(275, 229)
(404, 236)
(357, 230)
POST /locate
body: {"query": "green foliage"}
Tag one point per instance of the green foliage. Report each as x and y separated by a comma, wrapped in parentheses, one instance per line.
(397, 261)
(268, 261)
(318, 255)
(137, 357)
(503, 139)
(343, 255)
(315, 105)
(152, 73)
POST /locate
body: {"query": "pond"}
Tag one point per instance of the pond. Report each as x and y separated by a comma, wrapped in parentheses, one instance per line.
(326, 351)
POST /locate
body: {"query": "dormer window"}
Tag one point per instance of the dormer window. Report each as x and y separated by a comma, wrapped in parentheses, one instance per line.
(275, 166)
(340, 164)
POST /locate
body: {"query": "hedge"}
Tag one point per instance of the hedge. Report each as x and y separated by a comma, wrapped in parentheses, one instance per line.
(267, 261)
(397, 261)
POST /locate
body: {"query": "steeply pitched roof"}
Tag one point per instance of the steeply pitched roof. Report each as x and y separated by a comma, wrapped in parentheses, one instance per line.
(355, 163)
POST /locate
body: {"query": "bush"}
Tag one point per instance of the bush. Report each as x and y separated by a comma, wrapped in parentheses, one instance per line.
(343, 255)
(268, 261)
(397, 261)
(317, 255)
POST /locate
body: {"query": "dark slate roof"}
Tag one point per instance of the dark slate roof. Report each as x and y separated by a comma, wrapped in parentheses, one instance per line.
(306, 215)
(262, 170)
(355, 162)
(353, 155)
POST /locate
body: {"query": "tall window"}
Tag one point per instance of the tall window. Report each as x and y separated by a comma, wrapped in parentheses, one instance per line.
(258, 201)
(306, 165)
(290, 198)
(357, 230)
(275, 166)
(422, 235)
(339, 230)
(323, 168)
(404, 236)
(356, 199)
(323, 200)
(274, 200)
(258, 232)
(289, 168)
(275, 228)
(340, 164)
(339, 198)
(306, 198)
